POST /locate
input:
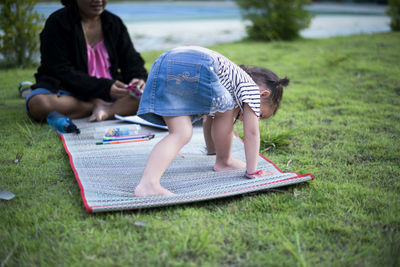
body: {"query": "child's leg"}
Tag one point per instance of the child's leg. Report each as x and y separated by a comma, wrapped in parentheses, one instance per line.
(207, 124)
(222, 135)
(163, 153)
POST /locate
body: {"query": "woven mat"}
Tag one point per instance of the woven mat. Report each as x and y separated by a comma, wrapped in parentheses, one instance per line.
(108, 174)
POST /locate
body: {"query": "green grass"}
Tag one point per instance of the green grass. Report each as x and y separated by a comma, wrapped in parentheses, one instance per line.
(339, 120)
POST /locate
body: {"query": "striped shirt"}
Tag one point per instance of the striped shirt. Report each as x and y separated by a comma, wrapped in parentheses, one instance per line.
(238, 83)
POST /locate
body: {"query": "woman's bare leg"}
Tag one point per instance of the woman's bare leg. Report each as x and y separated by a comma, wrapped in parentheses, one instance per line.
(180, 131)
(41, 105)
(222, 135)
(105, 110)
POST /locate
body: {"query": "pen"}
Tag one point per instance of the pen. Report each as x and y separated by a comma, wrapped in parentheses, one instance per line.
(122, 141)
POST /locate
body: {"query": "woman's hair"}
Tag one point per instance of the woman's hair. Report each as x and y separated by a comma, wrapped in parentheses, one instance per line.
(67, 2)
(270, 80)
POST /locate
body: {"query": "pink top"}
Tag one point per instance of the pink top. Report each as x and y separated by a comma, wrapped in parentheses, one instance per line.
(98, 61)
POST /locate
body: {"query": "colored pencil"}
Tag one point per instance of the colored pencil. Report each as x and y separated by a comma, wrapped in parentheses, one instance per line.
(122, 141)
(108, 139)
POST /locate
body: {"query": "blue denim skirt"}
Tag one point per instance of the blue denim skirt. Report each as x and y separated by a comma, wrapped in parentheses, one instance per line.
(183, 81)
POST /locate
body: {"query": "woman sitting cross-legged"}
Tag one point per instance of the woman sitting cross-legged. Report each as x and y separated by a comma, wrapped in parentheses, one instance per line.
(87, 63)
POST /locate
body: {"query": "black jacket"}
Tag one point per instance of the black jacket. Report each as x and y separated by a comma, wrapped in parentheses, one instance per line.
(64, 55)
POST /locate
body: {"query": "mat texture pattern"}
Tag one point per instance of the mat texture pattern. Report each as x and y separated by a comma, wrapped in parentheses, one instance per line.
(108, 174)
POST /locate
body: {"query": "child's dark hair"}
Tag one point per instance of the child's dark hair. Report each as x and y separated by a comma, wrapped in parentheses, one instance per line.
(269, 79)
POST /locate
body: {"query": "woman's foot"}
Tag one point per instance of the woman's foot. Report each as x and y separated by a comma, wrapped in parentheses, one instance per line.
(101, 110)
(232, 164)
(143, 190)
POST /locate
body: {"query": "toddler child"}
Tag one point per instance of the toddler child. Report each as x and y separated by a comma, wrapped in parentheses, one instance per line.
(189, 82)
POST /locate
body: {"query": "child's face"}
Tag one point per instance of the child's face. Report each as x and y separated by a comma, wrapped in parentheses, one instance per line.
(267, 109)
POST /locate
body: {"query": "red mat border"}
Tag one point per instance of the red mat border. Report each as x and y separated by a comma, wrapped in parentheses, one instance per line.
(89, 209)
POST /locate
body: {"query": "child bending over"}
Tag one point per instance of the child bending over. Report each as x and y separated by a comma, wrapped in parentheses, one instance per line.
(187, 83)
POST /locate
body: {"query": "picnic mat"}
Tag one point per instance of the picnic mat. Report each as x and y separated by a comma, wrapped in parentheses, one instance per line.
(108, 174)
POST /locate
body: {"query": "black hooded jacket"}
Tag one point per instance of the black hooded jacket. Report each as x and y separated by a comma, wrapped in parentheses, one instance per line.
(64, 61)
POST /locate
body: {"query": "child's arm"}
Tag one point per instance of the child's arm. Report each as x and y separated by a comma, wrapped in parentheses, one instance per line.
(251, 138)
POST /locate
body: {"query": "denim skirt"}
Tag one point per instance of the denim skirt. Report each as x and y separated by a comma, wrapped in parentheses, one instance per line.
(183, 81)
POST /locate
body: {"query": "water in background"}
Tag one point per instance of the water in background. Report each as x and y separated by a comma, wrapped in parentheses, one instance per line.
(163, 25)
(195, 10)
(161, 11)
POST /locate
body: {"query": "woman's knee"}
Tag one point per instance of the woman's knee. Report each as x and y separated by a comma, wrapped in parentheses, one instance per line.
(39, 106)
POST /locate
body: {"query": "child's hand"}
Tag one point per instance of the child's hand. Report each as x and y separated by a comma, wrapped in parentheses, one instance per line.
(257, 174)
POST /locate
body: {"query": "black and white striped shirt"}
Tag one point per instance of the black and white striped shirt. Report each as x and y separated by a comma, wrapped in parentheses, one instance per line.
(238, 83)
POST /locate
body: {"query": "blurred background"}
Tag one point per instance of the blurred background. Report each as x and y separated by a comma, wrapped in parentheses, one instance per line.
(157, 25)
(160, 25)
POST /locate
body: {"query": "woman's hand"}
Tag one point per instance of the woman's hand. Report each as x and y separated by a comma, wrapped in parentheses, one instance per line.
(118, 90)
(139, 83)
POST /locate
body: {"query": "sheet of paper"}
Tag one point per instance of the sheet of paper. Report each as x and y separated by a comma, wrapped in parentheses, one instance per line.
(138, 120)
(6, 195)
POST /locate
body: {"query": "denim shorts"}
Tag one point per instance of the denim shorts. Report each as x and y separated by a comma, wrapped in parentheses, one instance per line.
(181, 82)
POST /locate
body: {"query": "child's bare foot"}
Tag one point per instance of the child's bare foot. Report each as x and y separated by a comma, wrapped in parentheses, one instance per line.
(101, 110)
(232, 164)
(143, 190)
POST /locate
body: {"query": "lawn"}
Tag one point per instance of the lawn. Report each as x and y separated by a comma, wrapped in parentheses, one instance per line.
(339, 120)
